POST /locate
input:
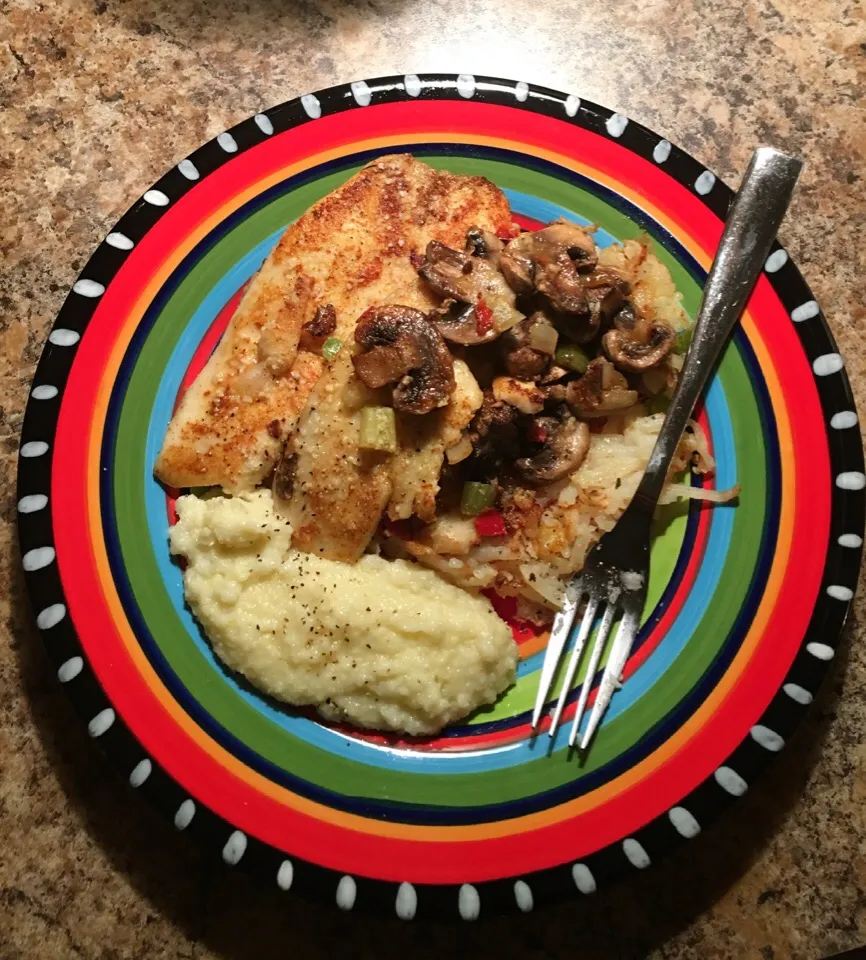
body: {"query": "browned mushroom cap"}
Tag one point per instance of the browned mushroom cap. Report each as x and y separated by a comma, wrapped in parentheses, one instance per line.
(601, 390)
(574, 239)
(449, 273)
(458, 322)
(416, 355)
(314, 332)
(550, 261)
(521, 358)
(637, 343)
(606, 292)
(561, 283)
(564, 450)
(467, 282)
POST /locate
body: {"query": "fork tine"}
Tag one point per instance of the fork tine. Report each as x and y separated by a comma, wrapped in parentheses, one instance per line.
(613, 671)
(579, 643)
(595, 656)
(558, 639)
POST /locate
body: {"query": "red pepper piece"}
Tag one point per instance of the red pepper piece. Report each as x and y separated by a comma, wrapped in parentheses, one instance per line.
(483, 318)
(490, 524)
(537, 433)
(507, 231)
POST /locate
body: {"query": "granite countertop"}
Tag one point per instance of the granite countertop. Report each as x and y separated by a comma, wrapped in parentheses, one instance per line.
(98, 97)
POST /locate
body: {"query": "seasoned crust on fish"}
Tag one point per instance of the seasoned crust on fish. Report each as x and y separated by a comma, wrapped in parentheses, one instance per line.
(352, 250)
(338, 491)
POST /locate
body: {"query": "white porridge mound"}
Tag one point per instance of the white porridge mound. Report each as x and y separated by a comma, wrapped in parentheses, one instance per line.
(380, 644)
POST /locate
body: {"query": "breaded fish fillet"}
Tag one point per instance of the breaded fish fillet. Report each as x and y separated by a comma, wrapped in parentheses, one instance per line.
(351, 249)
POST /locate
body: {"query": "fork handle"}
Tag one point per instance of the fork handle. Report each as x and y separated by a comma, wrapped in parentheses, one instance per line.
(751, 226)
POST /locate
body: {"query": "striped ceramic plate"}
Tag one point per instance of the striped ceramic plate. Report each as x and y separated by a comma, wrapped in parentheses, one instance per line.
(745, 606)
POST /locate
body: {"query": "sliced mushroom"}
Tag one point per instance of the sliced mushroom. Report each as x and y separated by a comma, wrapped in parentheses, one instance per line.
(417, 356)
(518, 268)
(458, 323)
(521, 357)
(479, 303)
(601, 390)
(523, 395)
(316, 331)
(606, 292)
(382, 365)
(637, 343)
(550, 261)
(564, 449)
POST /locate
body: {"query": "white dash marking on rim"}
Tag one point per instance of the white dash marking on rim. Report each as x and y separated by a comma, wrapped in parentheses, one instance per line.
(361, 92)
(683, 822)
(572, 105)
(843, 420)
(61, 337)
(767, 738)
(821, 651)
(852, 540)
(88, 288)
(406, 902)
(34, 448)
(468, 902)
(227, 142)
(120, 241)
(188, 169)
(838, 592)
(184, 814)
(635, 853)
(523, 896)
(583, 878)
(50, 616)
(32, 503)
(616, 124)
(412, 83)
(705, 182)
(466, 85)
(805, 311)
(235, 847)
(37, 558)
(263, 122)
(101, 722)
(156, 198)
(285, 875)
(798, 694)
(347, 890)
(311, 105)
(826, 364)
(776, 260)
(140, 772)
(851, 480)
(69, 669)
(661, 151)
(45, 391)
(521, 92)
(730, 781)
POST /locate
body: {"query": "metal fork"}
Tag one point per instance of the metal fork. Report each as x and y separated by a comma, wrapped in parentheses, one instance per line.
(615, 575)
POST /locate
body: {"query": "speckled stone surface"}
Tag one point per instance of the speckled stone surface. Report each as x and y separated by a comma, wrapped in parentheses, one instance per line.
(97, 98)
